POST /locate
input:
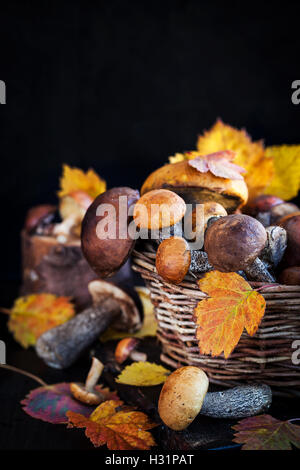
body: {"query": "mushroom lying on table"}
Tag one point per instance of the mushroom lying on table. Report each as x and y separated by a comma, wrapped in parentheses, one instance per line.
(86, 392)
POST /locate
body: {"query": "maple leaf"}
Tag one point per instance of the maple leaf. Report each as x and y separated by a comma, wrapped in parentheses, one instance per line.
(286, 181)
(74, 179)
(143, 374)
(34, 314)
(219, 164)
(250, 155)
(266, 433)
(232, 306)
(118, 429)
(149, 326)
(50, 403)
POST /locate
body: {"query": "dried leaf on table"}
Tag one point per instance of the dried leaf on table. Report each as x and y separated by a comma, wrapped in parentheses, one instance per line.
(149, 326)
(266, 433)
(219, 164)
(286, 181)
(143, 374)
(119, 429)
(34, 314)
(232, 306)
(50, 403)
(74, 179)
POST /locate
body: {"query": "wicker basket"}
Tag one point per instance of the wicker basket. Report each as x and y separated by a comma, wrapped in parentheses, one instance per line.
(265, 357)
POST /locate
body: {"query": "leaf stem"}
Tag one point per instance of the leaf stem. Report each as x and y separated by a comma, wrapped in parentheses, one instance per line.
(24, 372)
(5, 310)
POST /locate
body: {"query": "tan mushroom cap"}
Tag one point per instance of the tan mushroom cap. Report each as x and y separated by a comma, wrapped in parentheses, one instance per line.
(80, 392)
(173, 259)
(158, 209)
(196, 187)
(182, 396)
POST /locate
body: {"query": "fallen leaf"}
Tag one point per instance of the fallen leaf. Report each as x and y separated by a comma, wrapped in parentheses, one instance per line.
(232, 306)
(74, 179)
(143, 374)
(266, 433)
(50, 403)
(219, 164)
(118, 429)
(249, 155)
(34, 314)
(149, 326)
(286, 181)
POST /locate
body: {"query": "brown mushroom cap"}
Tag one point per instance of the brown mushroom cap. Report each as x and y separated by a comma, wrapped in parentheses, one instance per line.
(131, 309)
(292, 253)
(106, 256)
(80, 392)
(290, 276)
(158, 209)
(37, 215)
(281, 210)
(124, 347)
(182, 396)
(196, 188)
(262, 203)
(233, 242)
(173, 259)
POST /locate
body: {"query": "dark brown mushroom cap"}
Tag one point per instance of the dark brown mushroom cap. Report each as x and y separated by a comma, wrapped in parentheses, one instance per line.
(90, 397)
(290, 276)
(106, 256)
(37, 215)
(292, 253)
(233, 242)
(131, 310)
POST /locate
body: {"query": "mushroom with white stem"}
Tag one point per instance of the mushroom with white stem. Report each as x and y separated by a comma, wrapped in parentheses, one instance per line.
(127, 348)
(113, 306)
(72, 209)
(184, 396)
(86, 392)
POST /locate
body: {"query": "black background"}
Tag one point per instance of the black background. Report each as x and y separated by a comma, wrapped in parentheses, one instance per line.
(119, 86)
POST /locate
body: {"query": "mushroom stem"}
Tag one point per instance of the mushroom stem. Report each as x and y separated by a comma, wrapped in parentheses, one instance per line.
(94, 374)
(63, 229)
(138, 356)
(258, 271)
(199, 262)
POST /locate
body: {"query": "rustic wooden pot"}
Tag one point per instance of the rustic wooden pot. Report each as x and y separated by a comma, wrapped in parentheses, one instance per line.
(265, 357)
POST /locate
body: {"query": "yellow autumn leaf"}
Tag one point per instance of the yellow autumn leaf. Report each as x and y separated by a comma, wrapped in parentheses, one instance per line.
(143, 374)
(149, 326)
(74, 179)
(250, 155)
(286, 181)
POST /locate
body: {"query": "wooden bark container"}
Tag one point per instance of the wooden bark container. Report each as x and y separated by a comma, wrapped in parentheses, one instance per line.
(265, 357)
(55, 268)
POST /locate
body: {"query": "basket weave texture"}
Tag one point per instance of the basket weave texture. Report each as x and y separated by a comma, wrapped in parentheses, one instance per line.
(265, 357)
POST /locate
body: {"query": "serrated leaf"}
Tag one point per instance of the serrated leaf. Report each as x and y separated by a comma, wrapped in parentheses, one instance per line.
(34, 314)
(286, 181)
(143, 374)
(50, 403)
(266, 433)
(149, 326)
(118, 429)
(232, 306)
(74, 179)
(249, 155)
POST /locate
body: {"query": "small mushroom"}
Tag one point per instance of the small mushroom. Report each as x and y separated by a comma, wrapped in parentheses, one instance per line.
(127, 348)
(86, 392)
(107, 254)
(234, 242)
(39, 216)
(72, 209)
(158, 209)
(184, 396)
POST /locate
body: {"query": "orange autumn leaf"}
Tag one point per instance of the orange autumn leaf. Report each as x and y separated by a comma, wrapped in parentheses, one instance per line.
(250, 155)
(34, 314)
(232, 306)
(74, 179)
(119, 428)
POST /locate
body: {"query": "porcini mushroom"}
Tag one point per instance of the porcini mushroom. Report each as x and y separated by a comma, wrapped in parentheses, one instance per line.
(106, 252)
(72, 209)
(158, 209)
(196, 187)
(184, 395)
(86, 392)
(112, 305)
(233, 243)
(126, 347)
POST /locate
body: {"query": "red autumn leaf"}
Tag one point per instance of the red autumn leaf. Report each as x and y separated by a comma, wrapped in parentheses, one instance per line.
(266, 433)
(232, 306)
(219, 164)
(50, 403)
(119, 428)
